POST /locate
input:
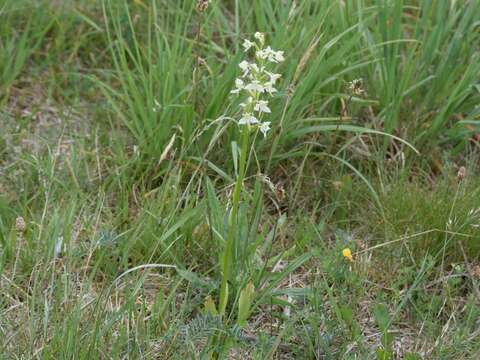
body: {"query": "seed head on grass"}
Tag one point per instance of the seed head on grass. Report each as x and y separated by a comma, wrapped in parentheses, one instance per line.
(257, 83)
(202, 5)
(355, 87)
(462, 172)
(20, 224)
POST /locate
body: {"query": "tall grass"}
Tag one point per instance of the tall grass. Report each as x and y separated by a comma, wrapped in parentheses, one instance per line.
(19, 39)
(174, 66)
(426, 50)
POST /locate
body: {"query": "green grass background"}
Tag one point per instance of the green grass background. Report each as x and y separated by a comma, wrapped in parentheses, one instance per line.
(115, 148)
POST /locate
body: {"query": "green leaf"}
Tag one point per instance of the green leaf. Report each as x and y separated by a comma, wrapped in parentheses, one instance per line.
(245, 303)
(382, 317)
(350, 128)
(210, 307)
(384, 354)
(347, 316)
(235, 152)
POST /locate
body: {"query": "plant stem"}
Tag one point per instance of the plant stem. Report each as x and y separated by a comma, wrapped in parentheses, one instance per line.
(232, 221)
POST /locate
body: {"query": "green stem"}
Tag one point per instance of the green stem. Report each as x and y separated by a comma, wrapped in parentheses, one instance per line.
(232, 221)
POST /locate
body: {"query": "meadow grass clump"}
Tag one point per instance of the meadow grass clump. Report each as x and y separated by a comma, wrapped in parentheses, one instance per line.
(255, 81)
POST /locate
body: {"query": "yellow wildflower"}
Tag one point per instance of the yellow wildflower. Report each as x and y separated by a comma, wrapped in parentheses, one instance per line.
(348, 254)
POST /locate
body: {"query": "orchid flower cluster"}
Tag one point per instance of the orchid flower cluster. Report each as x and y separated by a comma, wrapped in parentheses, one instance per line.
(257, 82)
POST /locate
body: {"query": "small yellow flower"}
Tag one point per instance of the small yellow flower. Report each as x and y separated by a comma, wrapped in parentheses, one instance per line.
(348, 254)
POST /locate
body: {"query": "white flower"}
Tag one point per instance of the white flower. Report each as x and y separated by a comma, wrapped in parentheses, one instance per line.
(249, 69)
(265, 127)
(255, 86)
(252, 70)
(269, 88)
(254, 67)
(278, 55)
(270, 54)
(256, 80)
(245, 66)
(261, 54)
(247, 44)
(273, 77)
(248, 119)
(239, 86)
(262, 106)
(260, 37)
(264, 53)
